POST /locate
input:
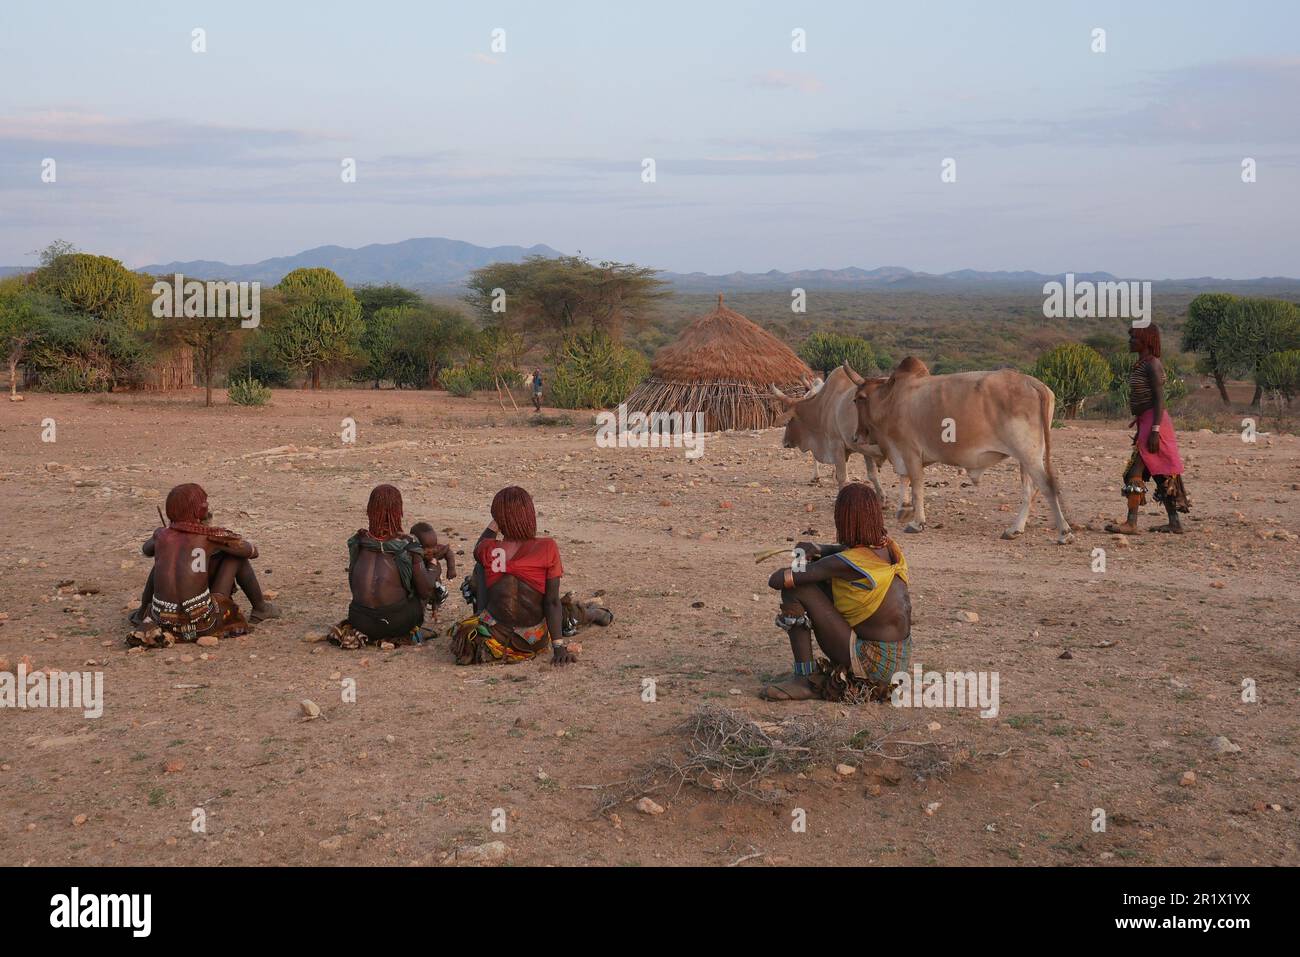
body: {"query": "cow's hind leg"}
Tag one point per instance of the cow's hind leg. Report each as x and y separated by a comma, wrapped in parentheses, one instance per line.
(1047, 483)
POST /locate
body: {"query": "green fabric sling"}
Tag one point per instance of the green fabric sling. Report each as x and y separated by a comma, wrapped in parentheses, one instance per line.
(400, 548)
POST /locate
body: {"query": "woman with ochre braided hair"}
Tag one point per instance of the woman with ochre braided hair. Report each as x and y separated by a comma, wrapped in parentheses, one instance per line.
(1155, 446)
(853, 596)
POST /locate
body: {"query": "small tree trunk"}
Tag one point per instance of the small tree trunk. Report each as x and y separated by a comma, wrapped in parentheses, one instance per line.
(13, 372)
(1259, 393)
(315, 375)
(1223, 389)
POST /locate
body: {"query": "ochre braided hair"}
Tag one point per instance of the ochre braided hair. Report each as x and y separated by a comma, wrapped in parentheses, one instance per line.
(859, 520)
(384, 512)
(513, 511)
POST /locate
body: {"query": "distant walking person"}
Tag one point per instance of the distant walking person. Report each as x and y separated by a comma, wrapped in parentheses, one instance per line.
(1155, 447)
(537, 389)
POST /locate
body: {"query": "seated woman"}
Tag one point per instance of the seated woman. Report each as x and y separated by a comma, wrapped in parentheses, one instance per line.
(517, 590)
(389, 577)
(854, 597)
(196, 567)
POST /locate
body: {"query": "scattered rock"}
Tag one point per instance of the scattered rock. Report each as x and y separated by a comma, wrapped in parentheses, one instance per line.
(1188, 779)
(934, 726)
(173, 766)
(1221, 745)
(79, 820)
(1065, 655)
(968, 616)
(493, 852)
(646, 806)
(932, 807)
(845, 770)
(207, 641)
(332, 843)
(310, 709)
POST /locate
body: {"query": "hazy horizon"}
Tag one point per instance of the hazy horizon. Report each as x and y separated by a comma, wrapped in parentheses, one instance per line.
(1127, 161)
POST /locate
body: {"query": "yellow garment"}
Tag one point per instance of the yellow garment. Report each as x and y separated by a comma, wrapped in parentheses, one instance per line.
(858, 599)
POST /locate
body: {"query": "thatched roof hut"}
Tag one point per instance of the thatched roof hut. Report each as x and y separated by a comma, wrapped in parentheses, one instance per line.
(724, 366)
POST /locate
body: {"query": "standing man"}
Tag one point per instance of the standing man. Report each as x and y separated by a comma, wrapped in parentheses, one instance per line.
(537, 389)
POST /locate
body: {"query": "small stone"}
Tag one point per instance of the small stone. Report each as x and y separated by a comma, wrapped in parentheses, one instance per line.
(932, 807)
(967, 616)
(934, 726)
(647, 806)
(1085, 763)
(1221, 745)
(310, 709)
(386, 646)
(493, 852)
(332, 843)
(390, 738)
(174, 766)
(79, 820)
(1065, 655)
(845, 770)
(1188, 779)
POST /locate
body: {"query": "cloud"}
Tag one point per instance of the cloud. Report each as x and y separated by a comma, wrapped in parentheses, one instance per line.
(787, 80)
(100, 140)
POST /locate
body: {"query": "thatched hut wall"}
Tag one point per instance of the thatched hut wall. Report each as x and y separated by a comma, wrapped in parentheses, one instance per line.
(173, 370)
(724, 366)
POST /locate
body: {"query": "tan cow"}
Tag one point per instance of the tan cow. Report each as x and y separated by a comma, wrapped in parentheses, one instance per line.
(824, 423)
(972, 420)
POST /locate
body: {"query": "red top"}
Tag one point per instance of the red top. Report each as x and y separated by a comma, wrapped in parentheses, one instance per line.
(534, 562)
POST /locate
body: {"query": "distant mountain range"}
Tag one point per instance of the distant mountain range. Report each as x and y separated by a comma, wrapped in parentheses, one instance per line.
(442, 265)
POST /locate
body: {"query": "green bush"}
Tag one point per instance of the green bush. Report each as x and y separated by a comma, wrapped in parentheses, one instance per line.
(458, 381)
(80, 354)
(825, 351)
(593, 371)
(1121, 366)
(1073, 372)
(1280, 372)
(248, 392)
(259, 366)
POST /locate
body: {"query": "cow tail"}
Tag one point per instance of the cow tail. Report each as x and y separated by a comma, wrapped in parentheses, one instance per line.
(1047, 402)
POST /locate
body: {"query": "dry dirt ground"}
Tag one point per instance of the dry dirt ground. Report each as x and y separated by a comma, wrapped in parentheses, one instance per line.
(1160, 644)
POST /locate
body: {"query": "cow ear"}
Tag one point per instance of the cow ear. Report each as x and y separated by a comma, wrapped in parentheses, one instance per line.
(857, 379)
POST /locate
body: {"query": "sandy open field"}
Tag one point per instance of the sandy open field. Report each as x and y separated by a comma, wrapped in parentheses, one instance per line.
(1159, 644)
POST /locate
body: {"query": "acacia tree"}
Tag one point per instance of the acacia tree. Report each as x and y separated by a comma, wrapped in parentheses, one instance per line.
(317, 324)
(1202, 335)
(1252, 329)
(381, 309)
(25, 315)
(557, 297)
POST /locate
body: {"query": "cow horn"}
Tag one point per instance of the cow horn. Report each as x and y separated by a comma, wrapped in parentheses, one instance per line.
(785, 399)
(857, 379)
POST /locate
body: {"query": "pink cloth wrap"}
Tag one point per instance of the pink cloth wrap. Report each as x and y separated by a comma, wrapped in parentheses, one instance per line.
(1167, 461)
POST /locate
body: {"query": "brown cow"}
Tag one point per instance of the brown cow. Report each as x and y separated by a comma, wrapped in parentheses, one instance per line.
(972, 420)
(824, 423)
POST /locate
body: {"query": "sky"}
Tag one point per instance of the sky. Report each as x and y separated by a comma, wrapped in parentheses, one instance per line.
(1066, 159)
